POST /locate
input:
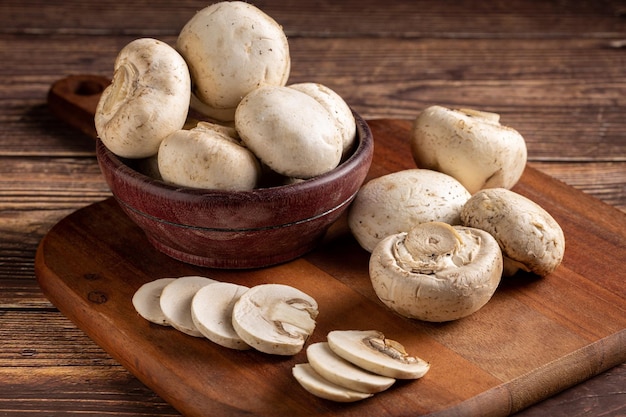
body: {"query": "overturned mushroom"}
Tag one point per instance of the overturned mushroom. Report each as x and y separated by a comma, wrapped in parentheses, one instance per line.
(207, 157)
(147, 100)
(530, 238)
(231, 48)
(436, 272)
(471, 146)
(398, 201)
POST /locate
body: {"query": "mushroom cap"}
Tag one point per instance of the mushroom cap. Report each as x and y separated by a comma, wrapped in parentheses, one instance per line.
(206, 157)
(289, 131)
(396, 202)
(147, 100)
(530, 238)
(471, 146)
(449, 273)
(233, 47)
(336, 106)
(275, 318)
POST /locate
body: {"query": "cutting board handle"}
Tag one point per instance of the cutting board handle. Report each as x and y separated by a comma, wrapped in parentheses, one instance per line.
(74, 99)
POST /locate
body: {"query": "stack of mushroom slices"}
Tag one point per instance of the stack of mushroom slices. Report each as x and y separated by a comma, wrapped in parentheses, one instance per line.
(272, 318)
(356, 364)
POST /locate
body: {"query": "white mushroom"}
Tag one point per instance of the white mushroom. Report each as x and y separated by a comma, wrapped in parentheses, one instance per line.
(176, 300)
(212, 313)
(147, 100)
(471, 146)
(436, 272)
(321, 387)
(396, 202)
(339, 371)
(336, 106)
(146, 301)
(231, 49)
(370, 350)
(206, 157)
(289, 131)
(530, 238)
(275, 318)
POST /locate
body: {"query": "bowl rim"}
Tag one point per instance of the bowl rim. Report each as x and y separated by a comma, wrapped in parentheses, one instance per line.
(362, 151)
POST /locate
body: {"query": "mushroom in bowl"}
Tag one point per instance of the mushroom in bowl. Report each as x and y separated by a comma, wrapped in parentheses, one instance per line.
(237, 229)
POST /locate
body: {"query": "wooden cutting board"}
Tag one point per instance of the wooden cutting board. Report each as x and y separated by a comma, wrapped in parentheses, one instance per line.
(533, 339)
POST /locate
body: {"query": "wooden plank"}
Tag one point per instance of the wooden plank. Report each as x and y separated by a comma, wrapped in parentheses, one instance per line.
(535, 338)
(516, 18)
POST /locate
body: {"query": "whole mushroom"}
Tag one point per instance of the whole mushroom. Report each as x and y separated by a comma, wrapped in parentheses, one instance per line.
(470, 145)
(396, 202)
(336, 106)
(147, 100)
(436, 272)
(233, 47)
(207, 157)
(530, 238)
(289, 131)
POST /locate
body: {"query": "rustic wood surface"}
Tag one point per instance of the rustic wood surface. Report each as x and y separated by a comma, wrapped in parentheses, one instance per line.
(553, 70)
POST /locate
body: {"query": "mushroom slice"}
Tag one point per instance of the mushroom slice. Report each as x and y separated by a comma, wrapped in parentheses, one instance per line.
(530, 238)
(469, 145)
(275, 318)
(147, 100)
(212, 312)
(370, 350)
(176, 300)
(396, 202)
(146, 301)
(436, 272)
(320, 387)
(343, 373)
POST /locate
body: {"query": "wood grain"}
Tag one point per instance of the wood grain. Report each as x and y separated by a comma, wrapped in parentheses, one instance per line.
(533, 339)
(552, 68)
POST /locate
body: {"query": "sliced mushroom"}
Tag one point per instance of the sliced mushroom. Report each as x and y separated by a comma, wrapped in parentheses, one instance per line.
(147, 100)
(321, 387)
(395, 202)
(176, 300)
(212, 313)
(436, 272)
(530, 238)
(469, 145)
(206, 157)
(343, 373)
(370, 350)
(232, 48)
(336, 106)
(289, 131)
(146, 301)
(275, 318)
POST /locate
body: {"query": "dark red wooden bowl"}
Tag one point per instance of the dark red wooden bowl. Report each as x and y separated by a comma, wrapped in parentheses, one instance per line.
(249, 229)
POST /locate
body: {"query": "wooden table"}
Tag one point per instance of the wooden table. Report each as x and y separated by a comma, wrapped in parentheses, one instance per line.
(556, 73)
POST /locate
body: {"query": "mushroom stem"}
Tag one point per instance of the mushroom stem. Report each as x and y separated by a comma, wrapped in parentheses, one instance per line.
(293, 316)
(426, 248)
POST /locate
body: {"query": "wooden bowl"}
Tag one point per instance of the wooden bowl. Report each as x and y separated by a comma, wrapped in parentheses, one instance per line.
(242, 229)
